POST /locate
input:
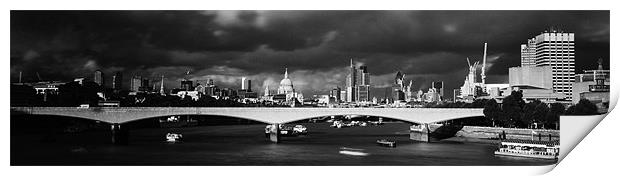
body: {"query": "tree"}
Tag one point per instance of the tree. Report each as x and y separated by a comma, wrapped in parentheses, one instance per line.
(512, 109)
(553, 116)
(534, 112)
(584, 107)
(492, 111)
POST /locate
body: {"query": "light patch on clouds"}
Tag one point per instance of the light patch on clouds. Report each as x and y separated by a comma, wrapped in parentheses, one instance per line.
(30, 55)
(229, 18)
(491, 60)
(449, 28)
(90, 65)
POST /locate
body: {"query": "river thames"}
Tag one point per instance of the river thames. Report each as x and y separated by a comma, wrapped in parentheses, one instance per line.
(246, 145)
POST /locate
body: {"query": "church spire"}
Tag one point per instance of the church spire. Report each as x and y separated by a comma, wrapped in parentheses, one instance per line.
(351, 62)
(285, 73)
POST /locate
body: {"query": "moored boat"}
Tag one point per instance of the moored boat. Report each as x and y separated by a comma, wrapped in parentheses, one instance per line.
(529, 148)
(387, 143)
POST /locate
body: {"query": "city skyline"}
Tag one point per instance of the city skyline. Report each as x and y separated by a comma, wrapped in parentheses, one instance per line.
(227, 45)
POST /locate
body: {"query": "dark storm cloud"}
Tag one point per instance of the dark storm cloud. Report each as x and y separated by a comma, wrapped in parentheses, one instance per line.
(426, 45)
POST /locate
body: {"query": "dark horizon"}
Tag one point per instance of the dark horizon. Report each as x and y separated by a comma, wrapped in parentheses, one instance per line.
(315, 46)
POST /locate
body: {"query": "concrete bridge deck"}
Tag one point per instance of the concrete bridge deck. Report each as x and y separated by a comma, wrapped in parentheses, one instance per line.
(274, 116)
(118, 115)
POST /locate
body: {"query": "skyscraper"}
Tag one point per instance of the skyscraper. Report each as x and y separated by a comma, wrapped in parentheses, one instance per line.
(136, 83)
(363, 93)
(98, 78)
(364, 76)
(210, 89)
(363, 87)
(335, 93)
(161, 87)
(146, 86)
(187, 85)
(351, 83)
(438, 86)
(556, 49)
(528, 53)
(117, 81)
(246, 84)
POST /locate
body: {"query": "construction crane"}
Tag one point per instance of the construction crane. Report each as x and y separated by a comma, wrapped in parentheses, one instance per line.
(39, 77)
(484, 62)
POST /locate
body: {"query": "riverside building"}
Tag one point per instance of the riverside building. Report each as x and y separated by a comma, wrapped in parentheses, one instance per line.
(555, 49)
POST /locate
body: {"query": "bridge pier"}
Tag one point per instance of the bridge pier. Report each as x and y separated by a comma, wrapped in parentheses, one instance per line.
(120, 136)
(274, 133)
(419, 132)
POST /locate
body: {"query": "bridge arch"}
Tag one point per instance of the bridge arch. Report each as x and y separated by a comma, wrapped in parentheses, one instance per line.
(199, 116)
(382, 116)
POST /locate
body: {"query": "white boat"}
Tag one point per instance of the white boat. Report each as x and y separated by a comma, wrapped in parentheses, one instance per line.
(387, 143)
(300, 130)
(173, 137)
(529, 148)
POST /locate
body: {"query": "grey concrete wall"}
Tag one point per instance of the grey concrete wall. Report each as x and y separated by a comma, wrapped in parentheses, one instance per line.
(511, 133)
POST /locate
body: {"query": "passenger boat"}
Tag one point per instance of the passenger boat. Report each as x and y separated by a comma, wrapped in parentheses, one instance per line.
(529, 148)
(387, 143)
(173, 137)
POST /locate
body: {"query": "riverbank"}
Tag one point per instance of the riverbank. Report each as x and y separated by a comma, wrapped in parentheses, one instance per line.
(479, 133)
(471, 140)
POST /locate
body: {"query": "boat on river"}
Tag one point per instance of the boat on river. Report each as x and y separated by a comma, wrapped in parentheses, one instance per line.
(529, 148)
(386, 142)
(174, 137)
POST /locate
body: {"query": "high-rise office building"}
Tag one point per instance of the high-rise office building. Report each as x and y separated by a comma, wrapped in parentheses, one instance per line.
(146, 86)
(210, 88)
(351, 83)
(528, 53)
(557, 50)
(343, 95)
(455, 95)
(161, 86)
(363, 76)
(438, 86)
(363, 87)
(187, 85)
(335, 93)
(136, 83)
(363, 93)
(246, 84)
(117, 81)
(98, 78)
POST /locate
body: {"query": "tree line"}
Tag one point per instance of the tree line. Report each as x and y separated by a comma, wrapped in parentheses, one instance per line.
(514, 112)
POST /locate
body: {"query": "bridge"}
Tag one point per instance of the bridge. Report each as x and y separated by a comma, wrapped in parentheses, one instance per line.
(275, 116)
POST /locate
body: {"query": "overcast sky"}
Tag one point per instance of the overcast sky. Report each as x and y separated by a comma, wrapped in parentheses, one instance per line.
(315, 45)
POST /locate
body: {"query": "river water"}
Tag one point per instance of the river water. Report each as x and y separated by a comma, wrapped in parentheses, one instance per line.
(246, 145)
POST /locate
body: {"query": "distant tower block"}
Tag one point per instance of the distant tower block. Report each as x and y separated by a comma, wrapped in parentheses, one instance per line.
(161, 87)
(98, 78)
